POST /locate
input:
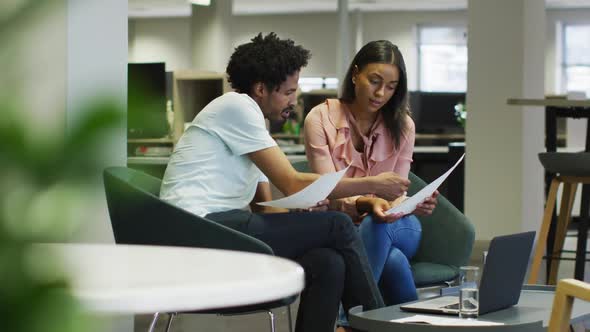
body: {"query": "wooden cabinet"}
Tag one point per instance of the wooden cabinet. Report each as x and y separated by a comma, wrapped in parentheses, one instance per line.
(192, 91)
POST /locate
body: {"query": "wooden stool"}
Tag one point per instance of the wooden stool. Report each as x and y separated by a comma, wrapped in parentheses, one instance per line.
(572, 169)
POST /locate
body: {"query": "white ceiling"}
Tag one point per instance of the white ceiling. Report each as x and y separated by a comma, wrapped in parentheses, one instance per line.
(171, 8)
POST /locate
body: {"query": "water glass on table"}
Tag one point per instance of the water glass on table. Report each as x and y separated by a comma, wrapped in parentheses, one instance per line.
(469, 292)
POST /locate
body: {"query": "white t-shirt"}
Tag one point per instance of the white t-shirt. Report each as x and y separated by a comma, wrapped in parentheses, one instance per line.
(209, 170)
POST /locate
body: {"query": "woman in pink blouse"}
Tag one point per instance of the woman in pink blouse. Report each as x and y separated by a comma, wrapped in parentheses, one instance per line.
(369, 128)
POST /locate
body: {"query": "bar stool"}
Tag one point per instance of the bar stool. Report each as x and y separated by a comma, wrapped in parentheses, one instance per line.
(571, 169)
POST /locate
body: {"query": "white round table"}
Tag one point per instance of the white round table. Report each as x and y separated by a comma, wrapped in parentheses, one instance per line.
(125, 279)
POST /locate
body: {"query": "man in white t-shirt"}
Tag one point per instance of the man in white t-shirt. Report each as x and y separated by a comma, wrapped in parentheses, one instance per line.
(221, 167)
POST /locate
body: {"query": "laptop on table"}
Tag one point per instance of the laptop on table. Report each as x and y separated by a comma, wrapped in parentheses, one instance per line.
(501, 280)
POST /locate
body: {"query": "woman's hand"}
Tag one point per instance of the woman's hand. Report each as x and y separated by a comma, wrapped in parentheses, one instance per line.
(390, 185)
(427, 206)
(377, 206)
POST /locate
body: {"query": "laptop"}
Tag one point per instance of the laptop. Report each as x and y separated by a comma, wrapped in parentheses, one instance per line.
(501, 280)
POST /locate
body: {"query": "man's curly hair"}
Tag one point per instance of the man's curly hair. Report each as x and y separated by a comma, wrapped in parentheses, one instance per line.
(265, 59)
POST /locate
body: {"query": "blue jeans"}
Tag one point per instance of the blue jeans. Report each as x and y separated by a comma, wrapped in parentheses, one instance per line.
(389, 249)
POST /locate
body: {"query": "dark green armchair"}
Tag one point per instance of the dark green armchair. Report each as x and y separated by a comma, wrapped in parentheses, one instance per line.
(139, 216)
(447, 239)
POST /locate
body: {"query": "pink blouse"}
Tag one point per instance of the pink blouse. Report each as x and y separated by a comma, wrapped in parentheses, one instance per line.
(329, 148)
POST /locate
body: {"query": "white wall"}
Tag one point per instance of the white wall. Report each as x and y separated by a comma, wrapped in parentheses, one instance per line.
(400, 28)
(161, 39)
(315, 32)
(97, 70)
(318, 32)
(503, 179)
(64, 55)
(169, 39)
(33, 67)
(66, 52)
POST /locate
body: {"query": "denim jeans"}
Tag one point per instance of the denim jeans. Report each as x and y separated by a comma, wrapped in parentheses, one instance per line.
(331, 252)
(390, 248)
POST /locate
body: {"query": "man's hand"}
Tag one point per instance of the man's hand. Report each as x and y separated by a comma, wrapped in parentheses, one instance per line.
(320, 206)
(389, 185)
(427, 206)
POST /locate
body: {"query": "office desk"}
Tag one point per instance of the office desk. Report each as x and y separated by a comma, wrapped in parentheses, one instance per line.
(555, 108)
(132, 279)
(530, 314)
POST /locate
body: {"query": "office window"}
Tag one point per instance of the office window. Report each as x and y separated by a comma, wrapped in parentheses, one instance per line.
(442, 58)
(576, 58)
(314, 83)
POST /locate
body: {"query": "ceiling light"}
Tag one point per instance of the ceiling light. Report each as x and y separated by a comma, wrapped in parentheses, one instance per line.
(200, 2)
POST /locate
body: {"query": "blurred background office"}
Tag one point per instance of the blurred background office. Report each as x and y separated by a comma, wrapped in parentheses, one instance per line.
(461, 55)
(458, 52)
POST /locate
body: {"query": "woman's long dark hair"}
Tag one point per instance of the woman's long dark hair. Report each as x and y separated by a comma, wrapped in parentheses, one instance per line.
(395, 110)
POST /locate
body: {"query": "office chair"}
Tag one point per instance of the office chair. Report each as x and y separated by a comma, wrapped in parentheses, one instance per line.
(139, 216)
(447, 239)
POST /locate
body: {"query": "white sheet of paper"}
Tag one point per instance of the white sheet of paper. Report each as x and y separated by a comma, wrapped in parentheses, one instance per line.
(409, 205)
(446, 321)
(310, 195)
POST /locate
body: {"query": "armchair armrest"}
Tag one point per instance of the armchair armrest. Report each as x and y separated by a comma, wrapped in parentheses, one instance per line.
(139, 216)
(187, 229)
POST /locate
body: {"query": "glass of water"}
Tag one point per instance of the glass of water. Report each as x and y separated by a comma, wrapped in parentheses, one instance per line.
(469, 292)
